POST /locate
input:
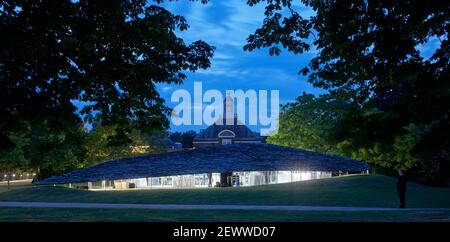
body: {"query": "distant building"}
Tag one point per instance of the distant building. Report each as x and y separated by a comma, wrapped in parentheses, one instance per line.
(229, 131)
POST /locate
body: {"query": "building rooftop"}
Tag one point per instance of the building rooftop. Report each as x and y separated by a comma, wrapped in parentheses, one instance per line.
(240, 131)
(227, 158)
(228, 122)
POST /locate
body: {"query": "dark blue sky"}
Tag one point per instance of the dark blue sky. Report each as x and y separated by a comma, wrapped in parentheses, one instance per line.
(226, 25)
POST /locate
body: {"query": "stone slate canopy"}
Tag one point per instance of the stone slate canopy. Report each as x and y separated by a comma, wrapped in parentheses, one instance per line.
(220, 159)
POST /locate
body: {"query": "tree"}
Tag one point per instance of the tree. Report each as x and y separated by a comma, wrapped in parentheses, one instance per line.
(13, 159)
(39, 148)
(100, 147)
(368, 53)
(108, 55)
(175, 136)
(185, 138)
(310, 123)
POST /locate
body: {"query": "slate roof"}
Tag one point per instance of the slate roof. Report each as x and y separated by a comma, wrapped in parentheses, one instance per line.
(234, 157)
(241, 131)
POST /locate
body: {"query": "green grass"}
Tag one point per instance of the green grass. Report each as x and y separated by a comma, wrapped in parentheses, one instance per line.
(4, 187)
(114, 215)
(371, 191)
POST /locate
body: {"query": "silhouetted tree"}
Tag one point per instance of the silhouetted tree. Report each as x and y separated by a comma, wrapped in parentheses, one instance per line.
(368, 52)
(185, 138)
(109, 55)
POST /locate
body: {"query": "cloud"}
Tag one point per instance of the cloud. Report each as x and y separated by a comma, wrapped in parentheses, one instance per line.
(220, 23)
(225, 69)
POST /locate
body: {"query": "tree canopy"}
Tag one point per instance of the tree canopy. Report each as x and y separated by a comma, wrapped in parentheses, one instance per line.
(107, 55)
(369, 54)
(98, 145)
(310, 123)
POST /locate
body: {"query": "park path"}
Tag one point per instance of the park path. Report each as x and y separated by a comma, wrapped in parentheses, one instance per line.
(207, 207)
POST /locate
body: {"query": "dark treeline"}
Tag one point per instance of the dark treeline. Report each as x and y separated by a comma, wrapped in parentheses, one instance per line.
(185, 138)
(387, 103)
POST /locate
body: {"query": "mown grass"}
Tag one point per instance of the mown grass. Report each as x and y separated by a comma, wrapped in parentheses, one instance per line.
(136, 215)
(365, 190)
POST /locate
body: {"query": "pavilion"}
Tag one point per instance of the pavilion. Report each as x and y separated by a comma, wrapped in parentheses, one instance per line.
(244, 164)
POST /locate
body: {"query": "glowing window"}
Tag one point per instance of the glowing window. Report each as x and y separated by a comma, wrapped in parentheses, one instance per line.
(227, 141)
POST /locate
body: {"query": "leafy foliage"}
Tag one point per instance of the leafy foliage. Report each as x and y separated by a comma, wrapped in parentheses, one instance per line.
(108, 55)
(99, 148)
(310, 122)
(39, 148)
(369, 54)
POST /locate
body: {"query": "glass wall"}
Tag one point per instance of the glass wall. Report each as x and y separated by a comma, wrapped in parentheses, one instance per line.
(204, 180)
(255, 178)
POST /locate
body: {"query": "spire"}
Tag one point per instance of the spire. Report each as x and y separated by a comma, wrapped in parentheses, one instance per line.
(228, 110)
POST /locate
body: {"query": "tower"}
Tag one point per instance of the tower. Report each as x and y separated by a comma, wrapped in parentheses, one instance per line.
(228, 110)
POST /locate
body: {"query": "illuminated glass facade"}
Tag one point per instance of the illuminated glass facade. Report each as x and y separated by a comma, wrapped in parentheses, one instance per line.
(206, 180)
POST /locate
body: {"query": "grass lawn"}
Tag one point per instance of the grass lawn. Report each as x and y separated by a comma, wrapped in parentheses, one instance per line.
(4, 187)
(369, 191)
(135, 215)
(364, 190)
